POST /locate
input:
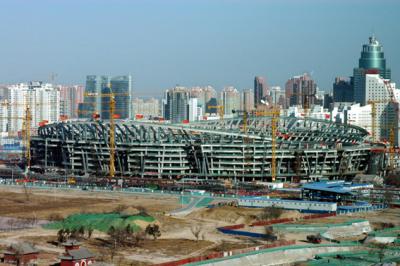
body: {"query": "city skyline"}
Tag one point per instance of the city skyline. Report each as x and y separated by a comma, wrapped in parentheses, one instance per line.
(192, 44)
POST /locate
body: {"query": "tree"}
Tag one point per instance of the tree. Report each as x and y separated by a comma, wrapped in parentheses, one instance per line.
(269, 233)
(61, 236)
(55, 217)
(81, 231)
(380, 250)
(271, 213)
(120, 208)
(387, 197)
(153, 230)
(89, 232)
(196, 230)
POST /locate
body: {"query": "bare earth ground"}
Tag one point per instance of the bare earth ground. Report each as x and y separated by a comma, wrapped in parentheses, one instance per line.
(177, 240)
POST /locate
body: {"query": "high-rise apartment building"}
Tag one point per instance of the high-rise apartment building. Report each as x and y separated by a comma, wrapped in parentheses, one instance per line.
(343, 90)
(146, 107)
(70, 96)
(301, 91)
(230, 98)
(176, 104)
(277, 96)
(4, 117)
(260, 90)
(97, 96)
(247, 100)
(203, 95)
(42, 99)
(372, 61)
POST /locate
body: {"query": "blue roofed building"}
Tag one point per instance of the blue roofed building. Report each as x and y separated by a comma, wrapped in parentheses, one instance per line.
(337, 191)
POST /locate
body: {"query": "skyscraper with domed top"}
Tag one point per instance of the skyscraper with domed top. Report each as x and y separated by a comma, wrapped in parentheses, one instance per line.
(372, 61)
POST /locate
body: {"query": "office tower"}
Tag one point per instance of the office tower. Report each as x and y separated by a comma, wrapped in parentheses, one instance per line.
(301, 91)
(42, 99)
(260, 90)
(328, 101)
(247, 100)
(343, 90)
(230, 99)
(277, 96)
(146, 107)
(70, 96)
(97, 96)
(372, 61)
(176, 104)
(378, 90)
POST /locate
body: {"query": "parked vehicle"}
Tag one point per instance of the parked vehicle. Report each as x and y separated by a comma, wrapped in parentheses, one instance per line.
(315, 239)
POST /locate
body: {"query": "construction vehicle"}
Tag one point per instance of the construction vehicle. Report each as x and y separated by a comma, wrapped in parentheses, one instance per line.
(315, 239)
(71, 181)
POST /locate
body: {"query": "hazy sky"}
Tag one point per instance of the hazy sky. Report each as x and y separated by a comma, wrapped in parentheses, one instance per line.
(192, 42)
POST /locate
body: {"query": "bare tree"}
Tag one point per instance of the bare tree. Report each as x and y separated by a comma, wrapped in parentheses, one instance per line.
(27, 193)
(153, 230)
(271, 213)
(55, 217)
(120, 208)
(387, 197)
(196, 230)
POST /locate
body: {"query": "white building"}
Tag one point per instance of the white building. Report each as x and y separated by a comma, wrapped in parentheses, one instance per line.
(359, 116)
(43, 101)
(379, 92)
(146, 108)
(193, 116)
(3, 117)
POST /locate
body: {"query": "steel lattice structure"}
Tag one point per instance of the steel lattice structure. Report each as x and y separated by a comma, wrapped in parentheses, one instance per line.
(306, 148)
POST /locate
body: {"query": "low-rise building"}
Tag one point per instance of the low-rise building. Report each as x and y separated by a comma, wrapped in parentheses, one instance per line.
(21, 254)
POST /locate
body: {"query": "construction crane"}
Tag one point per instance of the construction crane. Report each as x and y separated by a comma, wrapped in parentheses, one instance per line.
(373, 103)
(26, 134)
(221, 111)
(113, 116)
(274, 113)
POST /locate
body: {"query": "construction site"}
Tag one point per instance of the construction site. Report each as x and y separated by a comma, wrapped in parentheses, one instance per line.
(297, 149)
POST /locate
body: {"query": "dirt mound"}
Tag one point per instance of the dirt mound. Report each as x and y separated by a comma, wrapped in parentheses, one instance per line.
(291, 214)
(237, 215)
(227, 214)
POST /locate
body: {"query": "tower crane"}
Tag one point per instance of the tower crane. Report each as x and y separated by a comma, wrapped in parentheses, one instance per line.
(391, 100)
(113, 116)
(26, 135)
(274, 113)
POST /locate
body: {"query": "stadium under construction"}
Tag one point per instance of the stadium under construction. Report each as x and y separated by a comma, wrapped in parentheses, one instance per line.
(305, 149)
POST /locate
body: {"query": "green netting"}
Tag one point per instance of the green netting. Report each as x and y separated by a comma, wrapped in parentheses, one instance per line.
(204, 202)
(99, 221)
(356, 258)
(313, 227)
(395, 231)
(185, 200)
(343, 244)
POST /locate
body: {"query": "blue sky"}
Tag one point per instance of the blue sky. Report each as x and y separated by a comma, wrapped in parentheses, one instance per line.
(192, 42)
